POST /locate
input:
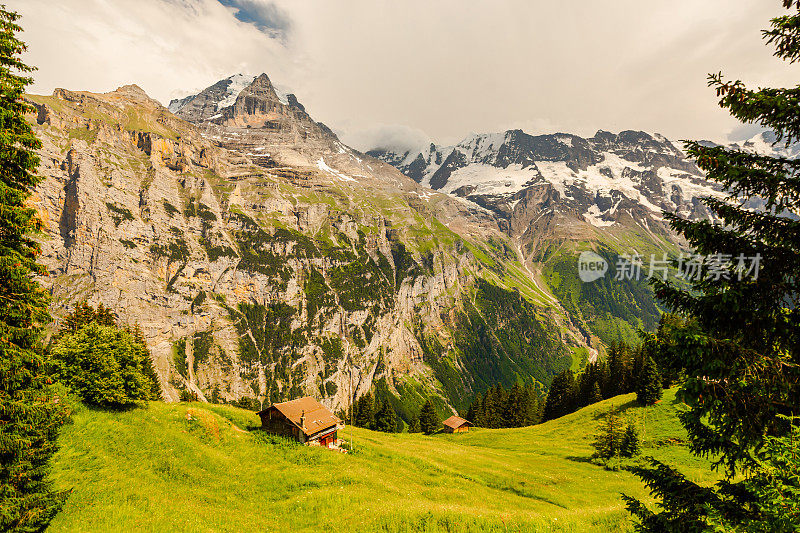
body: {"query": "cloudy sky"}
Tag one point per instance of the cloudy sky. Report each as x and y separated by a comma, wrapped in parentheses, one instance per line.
(389, 71)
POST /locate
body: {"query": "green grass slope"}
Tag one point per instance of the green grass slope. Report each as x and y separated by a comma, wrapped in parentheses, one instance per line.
(191, 467)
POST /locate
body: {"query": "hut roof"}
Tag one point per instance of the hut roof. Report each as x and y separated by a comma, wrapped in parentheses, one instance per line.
(317, 416)
(456, 422)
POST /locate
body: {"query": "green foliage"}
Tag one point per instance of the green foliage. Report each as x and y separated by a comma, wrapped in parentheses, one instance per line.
(332, 348)
(179, 358)
(197, 302)
(737, 381)
(648, 390)
(85, 314)
(364, 412)
(202, 342)
(613, 309)
(256, 247)
(104, 365)
(119, 214)
(622, 371)
(205, 213)
(360, 284)
(170, 209)
(215, 251)
(266, 337)
(428, 419)
(385, 418)
(500, 408)
(501, 339)
(404, 264)
(187, 395)
(631, 443)
(331, 388)
(739, 349)
(614, 438)
(561, 397)
(30, 416)
(318, 294)
(766, 501)
(128, 244)
(175, 250)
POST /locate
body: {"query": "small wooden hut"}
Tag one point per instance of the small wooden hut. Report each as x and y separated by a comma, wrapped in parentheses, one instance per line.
(304, 419)
(456, 424)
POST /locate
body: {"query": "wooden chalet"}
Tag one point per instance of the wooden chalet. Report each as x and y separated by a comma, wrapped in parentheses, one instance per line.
(305, 420)
(456, 424)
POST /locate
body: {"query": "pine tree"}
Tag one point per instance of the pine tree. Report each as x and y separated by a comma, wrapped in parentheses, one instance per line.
(743, 378)
(657, 346)
(740, 348)
(767, 501)
(561, 396)
(30, 418)
(428, 421)
(365, 412)
(516, 406)
(85, 314)
(590, 378)
(648, 389)
(149, 367)
(631, 444)
(608, 440)
(596, 395)
(532, 407)
(106, 366)
(414, 425)
(385, 418)
(618, 370)
(475, 411)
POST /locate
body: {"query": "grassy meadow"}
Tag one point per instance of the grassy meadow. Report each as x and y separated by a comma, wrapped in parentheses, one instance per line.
(196, 467)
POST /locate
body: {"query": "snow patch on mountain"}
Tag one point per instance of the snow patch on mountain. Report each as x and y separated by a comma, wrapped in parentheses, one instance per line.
(325, 168)
(486, 179)
(638, 172)
(238, 82)
(593, 217)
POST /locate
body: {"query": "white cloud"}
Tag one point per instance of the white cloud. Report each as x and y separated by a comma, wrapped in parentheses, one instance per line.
(446, 67)
(168, 47)
(393, 136)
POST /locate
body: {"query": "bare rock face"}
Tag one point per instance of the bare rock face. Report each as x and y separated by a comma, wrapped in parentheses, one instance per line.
(262, 258)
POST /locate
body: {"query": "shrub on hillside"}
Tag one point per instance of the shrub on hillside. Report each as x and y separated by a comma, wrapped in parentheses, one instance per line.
(614, 439)
(187, 395)
(104, 365)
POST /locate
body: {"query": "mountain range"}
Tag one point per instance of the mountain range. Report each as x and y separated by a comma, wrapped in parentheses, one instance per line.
(263, 258)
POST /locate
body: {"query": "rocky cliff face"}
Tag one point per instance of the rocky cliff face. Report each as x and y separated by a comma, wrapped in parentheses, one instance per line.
(263, 259)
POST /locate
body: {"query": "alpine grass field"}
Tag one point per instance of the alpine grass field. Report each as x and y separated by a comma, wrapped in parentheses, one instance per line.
(204, 467)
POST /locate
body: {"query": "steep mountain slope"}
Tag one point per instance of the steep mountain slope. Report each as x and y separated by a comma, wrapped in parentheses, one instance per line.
(264, 259)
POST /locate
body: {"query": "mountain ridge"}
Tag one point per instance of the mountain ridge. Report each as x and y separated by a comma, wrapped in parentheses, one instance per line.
(269, 261)
(265, 259)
